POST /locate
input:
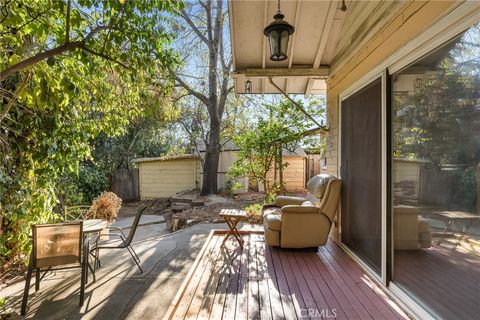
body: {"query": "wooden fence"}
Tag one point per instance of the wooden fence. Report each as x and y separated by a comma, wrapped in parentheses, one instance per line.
(314, 166)
(125, 184)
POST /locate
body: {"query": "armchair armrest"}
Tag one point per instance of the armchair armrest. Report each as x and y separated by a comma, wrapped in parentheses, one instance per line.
(299, 209)
(281, 201)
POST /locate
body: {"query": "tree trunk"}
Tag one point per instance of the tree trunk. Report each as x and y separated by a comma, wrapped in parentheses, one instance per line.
(212, 156)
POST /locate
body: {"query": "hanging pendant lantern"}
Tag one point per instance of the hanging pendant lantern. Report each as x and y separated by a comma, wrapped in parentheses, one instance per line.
(278, 33)
(248, 86)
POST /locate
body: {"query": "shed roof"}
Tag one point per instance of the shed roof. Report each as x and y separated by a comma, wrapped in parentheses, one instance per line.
(167, 158)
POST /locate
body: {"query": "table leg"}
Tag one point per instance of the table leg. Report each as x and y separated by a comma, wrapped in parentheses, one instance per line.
(232, 224)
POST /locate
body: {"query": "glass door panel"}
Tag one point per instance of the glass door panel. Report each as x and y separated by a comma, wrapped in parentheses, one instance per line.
(436, 178)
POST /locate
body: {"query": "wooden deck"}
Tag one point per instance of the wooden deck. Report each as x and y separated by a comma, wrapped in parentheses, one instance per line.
(447, 280)
(262, 282)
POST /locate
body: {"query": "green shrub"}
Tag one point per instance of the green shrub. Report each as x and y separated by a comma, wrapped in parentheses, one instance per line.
(231, 185)
(254, 212)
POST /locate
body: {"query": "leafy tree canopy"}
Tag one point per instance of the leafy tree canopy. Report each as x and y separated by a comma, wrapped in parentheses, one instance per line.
(281, 126)
(70, 71)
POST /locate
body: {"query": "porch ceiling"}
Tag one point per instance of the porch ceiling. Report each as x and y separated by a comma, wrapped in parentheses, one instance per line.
(310, 50)
(324, 35)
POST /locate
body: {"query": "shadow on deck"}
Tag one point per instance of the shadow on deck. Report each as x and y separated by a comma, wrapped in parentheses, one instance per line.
(262, 282)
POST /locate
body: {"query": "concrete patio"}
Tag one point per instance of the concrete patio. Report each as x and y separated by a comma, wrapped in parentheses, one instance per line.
(120, 291)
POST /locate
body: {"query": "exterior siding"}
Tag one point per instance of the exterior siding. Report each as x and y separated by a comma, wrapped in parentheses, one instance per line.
(160, 179)
(411, 20)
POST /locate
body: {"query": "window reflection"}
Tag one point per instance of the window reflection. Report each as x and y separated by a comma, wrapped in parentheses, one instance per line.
(436, 177)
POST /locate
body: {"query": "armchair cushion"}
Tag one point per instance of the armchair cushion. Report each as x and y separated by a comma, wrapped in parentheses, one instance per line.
(299, 209)
(295, 222)
(273, 221)
(271, 210)
(317, 185)
(281, 201)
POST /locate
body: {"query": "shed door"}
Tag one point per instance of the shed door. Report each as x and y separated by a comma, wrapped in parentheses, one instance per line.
(361, 173)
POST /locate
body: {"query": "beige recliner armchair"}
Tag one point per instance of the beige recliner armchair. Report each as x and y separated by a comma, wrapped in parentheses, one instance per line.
(295, 222)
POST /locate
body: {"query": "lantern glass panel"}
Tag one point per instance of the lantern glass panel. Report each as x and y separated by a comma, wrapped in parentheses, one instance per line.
(273, 39)
(283, 44)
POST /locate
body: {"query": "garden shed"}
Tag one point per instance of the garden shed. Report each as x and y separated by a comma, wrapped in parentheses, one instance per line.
(166, 176)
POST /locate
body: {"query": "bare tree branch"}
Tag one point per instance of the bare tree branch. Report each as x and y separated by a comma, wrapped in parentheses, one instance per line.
(209, 21)
(200, 96)
(299, 107)
(218, 29)
(194, 27)
(95, 31)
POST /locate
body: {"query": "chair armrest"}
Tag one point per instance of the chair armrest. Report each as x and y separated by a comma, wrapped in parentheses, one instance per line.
(118, 229)
(109, 234)
(300, 209)
(281, 201)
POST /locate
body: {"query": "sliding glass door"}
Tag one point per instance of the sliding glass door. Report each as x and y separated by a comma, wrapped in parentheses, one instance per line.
(361, 173)
(436, 178)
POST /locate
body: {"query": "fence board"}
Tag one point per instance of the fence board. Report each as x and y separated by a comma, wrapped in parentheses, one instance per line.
(125, 184)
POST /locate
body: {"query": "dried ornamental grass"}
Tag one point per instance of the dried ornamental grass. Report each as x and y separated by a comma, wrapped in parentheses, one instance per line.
(106, 206)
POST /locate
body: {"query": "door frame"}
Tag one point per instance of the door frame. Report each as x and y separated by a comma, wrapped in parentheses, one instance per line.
(455, 22)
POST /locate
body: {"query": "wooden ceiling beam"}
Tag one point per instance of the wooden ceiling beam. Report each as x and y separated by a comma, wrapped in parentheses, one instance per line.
(318, 73)
(292, 42)
(323, 42)
(264, 43)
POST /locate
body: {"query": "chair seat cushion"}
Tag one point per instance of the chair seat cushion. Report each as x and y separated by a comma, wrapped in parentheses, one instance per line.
(273, 221)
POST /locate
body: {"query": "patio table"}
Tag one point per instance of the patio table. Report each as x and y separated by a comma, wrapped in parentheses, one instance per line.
(464, 219)
(90, 227)
(93, 226)
(232, 218)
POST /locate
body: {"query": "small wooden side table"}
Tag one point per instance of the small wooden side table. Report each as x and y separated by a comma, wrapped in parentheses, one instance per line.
(232, 218)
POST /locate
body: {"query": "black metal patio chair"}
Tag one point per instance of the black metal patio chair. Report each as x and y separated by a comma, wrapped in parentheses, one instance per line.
(118, 240)
(56, 245)
(76, 213)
